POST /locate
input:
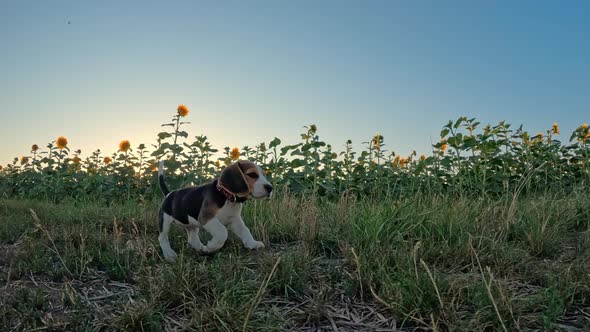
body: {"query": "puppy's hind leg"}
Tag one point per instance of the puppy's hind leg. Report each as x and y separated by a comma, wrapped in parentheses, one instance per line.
(165, 222)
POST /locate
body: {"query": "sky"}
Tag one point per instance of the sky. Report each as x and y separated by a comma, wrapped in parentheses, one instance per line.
(102, 71)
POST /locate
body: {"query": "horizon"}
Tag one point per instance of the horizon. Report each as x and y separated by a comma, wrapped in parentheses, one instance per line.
(101, 73)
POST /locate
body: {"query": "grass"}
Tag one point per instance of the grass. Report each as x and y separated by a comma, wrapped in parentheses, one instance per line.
(426, 262)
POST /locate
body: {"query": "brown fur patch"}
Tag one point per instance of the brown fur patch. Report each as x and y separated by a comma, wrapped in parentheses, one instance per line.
(248, 168)
(233, 179)
(208, 210)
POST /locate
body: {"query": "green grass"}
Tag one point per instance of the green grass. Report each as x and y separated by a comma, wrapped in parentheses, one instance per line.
(440, 263)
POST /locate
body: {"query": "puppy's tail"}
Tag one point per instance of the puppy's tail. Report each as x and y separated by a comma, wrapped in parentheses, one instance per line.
(163, 187)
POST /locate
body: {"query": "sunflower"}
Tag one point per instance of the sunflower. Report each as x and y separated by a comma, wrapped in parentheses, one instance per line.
(182, 110)
(587, 136)
(555, 128)
(24, 160)
(403, 162)
(444, 145)
(423, 157)
(0, 167)
(396, 160)
(539, 137)
(334, 156)
(153, 167)
(34, 147)
(61, 142)
(235, 154)
(313, 128)
(217, 164)
(76, 160)
(124, 146)
(377, 141)
(107, 160)
(585, 126)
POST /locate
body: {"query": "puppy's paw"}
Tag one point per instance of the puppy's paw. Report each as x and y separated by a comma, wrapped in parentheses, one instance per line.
(254, 245)
(171, 258)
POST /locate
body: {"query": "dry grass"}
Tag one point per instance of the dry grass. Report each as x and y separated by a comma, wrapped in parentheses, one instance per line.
(421, 263)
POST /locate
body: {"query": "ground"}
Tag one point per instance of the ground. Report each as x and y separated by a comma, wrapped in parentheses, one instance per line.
(419, 263)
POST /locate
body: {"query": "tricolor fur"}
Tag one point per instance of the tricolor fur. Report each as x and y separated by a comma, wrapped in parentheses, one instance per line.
(214, 206)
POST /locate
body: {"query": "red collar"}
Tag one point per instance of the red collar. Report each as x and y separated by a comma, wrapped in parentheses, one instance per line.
(228, 194)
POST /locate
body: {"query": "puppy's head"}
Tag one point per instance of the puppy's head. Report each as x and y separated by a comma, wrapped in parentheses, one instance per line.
(245, 178)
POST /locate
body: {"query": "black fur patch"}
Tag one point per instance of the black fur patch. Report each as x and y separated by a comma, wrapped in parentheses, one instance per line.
(190, 202)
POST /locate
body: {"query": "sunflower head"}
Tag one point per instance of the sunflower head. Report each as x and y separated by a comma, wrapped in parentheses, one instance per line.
(34, 147)
(124, 146)
(152, 167)
(444, 145)
(377, 141)
(423, 157)
(24, 160)
(182, 110)
(555, 128)
(235, 154)
(313, 128)
(585, 126)
(76, 160)
(107, 160)
(61, 142)
(218, 164)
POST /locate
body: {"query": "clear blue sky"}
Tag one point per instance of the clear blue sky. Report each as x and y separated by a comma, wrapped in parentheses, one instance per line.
(253, 70)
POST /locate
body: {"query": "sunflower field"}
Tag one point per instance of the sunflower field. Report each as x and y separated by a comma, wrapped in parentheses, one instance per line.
(488, 232)
(470, 159)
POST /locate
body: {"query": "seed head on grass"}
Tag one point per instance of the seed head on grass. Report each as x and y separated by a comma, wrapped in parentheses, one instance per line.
(61, 142)
(124, 146)
(183, 110)
(235, 154)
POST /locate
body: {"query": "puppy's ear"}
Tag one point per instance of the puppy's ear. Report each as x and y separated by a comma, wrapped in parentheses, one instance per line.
(234, 180)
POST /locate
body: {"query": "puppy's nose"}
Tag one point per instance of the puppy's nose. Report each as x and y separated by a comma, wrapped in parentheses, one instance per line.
(268, 188)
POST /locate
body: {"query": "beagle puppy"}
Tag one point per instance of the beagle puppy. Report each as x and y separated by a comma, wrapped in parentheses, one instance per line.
(214, 206)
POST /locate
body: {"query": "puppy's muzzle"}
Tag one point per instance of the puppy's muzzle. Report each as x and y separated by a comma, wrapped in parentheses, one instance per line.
(268, 189)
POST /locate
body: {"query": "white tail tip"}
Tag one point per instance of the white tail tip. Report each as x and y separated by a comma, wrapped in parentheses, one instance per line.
(161, 167)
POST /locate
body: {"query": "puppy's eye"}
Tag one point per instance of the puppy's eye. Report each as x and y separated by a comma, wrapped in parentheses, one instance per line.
(253, 175)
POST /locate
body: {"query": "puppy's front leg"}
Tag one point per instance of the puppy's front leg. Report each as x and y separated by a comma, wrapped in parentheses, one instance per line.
(239, 228)
(218, 235)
